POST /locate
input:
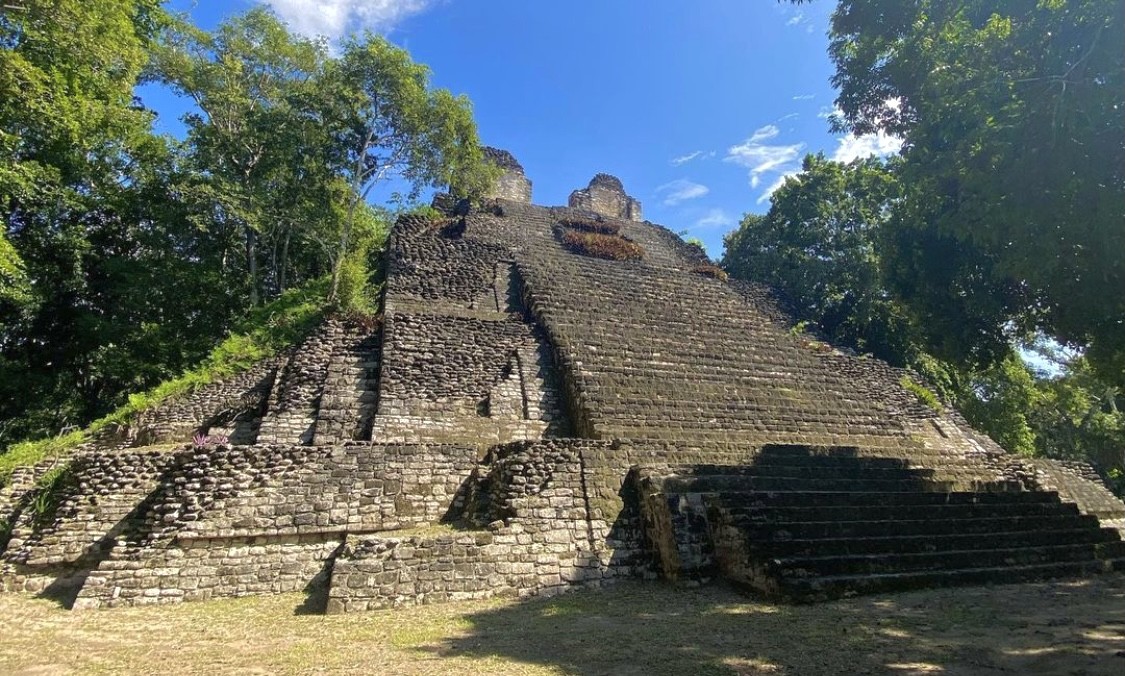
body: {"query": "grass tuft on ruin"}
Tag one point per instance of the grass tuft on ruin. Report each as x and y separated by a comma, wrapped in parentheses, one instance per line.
(591, 225)
(609, 247)
(711, 270)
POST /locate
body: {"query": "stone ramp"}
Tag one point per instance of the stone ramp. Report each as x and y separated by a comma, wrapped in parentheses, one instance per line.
(804, 524)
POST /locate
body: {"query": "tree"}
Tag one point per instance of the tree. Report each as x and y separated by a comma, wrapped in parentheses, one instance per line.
(818, 246)
(390, 124)
(1013, 163)
(246, 81)
(71, 141)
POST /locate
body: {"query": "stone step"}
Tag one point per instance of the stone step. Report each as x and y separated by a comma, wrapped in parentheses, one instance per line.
(855, 470)
(872, 498)
(838, 586)
(755, 531)
(919, 544)
(876, 564)
(828, 463)
(727, 482)
(768, 514)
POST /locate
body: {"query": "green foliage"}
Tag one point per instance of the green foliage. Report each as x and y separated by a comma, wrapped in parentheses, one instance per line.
(1013, 167)
(609, 247)
(127, 256)
(14, 287)
(268, 329)
(818, 245)
(924, 394)
(357, 294)
(1001, 401)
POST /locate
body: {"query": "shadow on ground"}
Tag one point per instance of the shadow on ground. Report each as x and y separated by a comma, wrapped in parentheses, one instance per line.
(1056, 628)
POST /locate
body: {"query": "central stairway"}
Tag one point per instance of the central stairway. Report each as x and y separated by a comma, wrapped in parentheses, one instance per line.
(803, 524)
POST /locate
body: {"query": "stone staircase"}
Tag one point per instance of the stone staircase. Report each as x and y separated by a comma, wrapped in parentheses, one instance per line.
(805, 524)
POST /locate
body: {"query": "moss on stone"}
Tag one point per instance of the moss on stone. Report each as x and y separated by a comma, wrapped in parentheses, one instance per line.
(924, 394)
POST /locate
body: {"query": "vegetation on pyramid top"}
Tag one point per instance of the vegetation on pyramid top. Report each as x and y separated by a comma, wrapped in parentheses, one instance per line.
(597, 245)
(600, 227)
(711, 270)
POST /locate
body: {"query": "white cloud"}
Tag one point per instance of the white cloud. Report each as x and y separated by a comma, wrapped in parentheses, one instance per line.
(853, 147)
(764, 133)
(714, 218)
(804, 97)
(697, 155)
(796, 20)
(764, 158)
(681, 190)
(334, 19)
(790, 116)
(772, 187)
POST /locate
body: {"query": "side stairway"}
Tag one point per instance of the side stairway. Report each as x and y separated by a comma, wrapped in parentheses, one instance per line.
(804, 524)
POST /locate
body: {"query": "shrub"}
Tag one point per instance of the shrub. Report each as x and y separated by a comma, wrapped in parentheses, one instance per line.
(610, 247)
(711, 270)
(590, 225)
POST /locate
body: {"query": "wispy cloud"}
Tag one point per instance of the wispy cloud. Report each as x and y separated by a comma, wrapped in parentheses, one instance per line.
(772, 187)
(681, 190)
(853, 147)
(804, 97)
(797, 19)
(697, 155)
(790, 116)
(764, 133)
(765, 158)
(714, 218)
(334, 19)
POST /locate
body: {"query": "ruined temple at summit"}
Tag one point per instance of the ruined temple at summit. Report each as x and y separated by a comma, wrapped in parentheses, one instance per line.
(551, 398)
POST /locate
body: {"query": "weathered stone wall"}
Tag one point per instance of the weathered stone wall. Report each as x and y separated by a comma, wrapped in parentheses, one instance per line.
(606, 196)
(125, 522)
(463, 362)
(232, 408)
(1075, 482)
(351, 385)
(197, 570)
(512, 184)
(291, 411)
(544, 544)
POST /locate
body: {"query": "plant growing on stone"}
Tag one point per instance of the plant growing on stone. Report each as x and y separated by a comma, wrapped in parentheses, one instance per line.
(590, 225)
(609, 247)
(711, 270)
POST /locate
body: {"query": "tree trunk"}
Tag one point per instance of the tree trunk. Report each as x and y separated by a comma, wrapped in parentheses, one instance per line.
(252, 264)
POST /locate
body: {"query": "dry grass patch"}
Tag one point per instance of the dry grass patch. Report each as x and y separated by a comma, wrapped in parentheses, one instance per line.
(590, 225)
(712, 271)
(630, 628)
(609, 247)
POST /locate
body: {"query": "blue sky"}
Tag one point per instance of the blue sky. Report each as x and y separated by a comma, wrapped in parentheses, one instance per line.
(700, 108)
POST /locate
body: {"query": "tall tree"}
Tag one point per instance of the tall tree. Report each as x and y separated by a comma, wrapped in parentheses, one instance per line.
(246, 81)
(1013, 163)
(71, 141)
(390, 124)
(818, 244)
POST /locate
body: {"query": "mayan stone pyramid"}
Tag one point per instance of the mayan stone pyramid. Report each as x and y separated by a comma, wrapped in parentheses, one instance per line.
(553, 397)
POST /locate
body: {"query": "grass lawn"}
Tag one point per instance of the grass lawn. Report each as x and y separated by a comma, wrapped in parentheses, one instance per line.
(630, 628)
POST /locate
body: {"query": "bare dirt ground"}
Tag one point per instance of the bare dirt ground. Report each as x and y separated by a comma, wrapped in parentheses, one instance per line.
(630, 628)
